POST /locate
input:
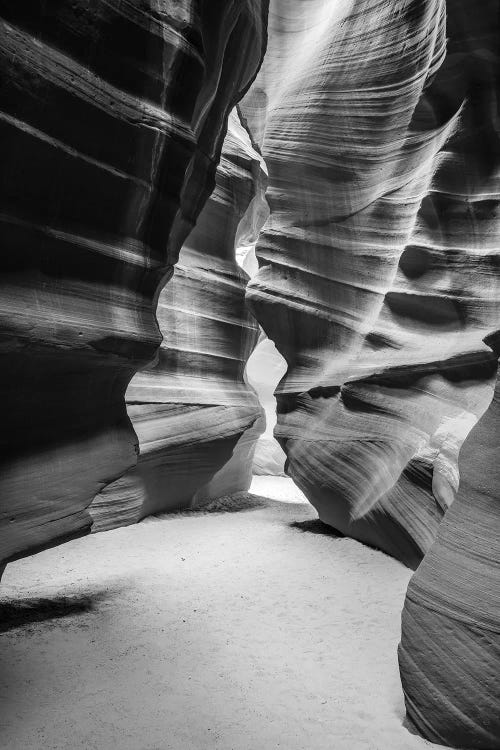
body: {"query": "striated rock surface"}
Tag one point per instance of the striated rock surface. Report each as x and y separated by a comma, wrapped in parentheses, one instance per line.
(450, 644)
(196, 418)
(378, 271)
(112, 116)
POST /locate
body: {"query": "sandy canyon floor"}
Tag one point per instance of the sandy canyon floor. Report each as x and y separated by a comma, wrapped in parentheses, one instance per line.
(242, 630)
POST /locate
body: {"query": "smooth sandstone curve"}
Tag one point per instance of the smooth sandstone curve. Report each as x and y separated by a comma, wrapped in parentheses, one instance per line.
(112, 117)
(196, 417)
(449, 655)
(378, 271)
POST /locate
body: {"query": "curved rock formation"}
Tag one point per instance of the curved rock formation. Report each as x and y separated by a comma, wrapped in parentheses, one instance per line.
(196, 419)
(112, 117)
(378, 276)
(450, 645)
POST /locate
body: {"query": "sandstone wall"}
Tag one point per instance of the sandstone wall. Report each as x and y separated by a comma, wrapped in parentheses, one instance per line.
(112, 116)
(378, 271)
(196, 418)
(450, 645)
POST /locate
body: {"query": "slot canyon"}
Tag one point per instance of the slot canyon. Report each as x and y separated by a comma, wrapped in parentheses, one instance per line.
(249, 338)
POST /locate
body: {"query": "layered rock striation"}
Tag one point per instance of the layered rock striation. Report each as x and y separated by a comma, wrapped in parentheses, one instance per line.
(196, 417)
(378, 271)
(112, 117)
(450, 644)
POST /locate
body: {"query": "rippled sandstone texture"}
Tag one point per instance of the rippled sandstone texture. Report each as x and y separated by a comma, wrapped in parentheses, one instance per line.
(112, 116)
(450, 645)
(196, 418)
(379, 264)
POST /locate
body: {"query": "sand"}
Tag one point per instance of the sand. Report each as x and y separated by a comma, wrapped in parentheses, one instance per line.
(244, 630)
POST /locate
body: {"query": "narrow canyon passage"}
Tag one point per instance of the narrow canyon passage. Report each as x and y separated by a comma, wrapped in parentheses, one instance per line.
(229, 630)
(248, 242)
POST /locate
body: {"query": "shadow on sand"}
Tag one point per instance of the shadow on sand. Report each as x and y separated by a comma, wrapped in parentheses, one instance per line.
(315, 526)
(22, 612)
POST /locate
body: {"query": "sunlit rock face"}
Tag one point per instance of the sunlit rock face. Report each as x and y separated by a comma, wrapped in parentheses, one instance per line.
(450, 645)
(112, 117)
(196, 418)
(379, 263)
(265, 368)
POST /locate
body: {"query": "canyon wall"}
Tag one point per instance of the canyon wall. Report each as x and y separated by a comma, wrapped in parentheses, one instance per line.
(112, 117)
(196, 418)
(450, 645)
(378, 271)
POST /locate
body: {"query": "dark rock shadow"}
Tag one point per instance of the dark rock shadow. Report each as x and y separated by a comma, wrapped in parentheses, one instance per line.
(315, 526)
(19, 613)
(410, 726)
(412, 729)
